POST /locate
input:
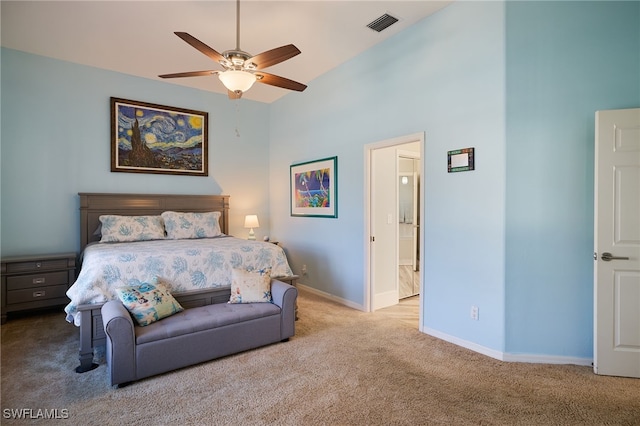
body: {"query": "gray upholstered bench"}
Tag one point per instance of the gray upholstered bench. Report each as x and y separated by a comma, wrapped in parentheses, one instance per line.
(194, 335)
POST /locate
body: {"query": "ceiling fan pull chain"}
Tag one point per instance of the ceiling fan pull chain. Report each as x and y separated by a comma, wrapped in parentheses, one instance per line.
(237, 117)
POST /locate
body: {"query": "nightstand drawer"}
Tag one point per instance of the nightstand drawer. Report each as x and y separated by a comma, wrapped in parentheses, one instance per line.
(38, 265)
(36, 293)
(37, 280)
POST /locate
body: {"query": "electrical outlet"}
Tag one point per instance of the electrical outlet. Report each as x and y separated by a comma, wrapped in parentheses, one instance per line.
(304, 269)
(475, 313)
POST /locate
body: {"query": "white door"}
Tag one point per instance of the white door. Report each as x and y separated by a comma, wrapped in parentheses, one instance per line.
(617, 243)
(384, 228)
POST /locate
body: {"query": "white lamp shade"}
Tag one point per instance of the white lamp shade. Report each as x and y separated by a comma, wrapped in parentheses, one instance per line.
(237, 80)
(251, 221)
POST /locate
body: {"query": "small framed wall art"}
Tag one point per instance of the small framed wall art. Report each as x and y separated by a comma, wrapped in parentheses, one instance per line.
(150, 138)
(461, 160)
(314, 188)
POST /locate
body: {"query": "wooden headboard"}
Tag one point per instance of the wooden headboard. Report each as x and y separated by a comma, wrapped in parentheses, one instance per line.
(93, 205)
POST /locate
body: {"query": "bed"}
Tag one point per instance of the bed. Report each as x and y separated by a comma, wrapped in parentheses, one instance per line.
(196, 270)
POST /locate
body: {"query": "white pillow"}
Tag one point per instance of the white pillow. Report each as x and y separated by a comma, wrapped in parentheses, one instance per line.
(191, 225)
(131, 228)
(250, 286)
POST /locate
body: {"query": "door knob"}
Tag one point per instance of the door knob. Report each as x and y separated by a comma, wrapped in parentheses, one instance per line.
(606, 256)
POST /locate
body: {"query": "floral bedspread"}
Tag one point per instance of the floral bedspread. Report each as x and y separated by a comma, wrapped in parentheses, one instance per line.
(182, 265)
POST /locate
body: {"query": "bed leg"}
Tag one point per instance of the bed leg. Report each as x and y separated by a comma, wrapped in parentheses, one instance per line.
(86, 349)
(86, 363)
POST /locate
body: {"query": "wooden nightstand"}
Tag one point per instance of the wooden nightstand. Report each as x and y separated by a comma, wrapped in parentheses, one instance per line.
(32, 282)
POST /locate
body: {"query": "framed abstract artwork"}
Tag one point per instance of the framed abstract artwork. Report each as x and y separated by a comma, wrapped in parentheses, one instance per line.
(314, 188)
(150, 138)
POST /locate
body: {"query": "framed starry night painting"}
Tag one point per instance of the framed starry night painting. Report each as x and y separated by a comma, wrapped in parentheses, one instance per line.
(150, 138)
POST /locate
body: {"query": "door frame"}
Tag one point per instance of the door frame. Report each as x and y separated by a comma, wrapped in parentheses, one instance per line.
(368, 154)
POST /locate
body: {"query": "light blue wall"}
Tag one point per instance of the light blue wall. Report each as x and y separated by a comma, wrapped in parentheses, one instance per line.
(565, 60)
(56, 143)
(520, 82)
(444, 76)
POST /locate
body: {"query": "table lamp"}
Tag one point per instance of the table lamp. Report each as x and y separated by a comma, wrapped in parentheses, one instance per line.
(251, 221)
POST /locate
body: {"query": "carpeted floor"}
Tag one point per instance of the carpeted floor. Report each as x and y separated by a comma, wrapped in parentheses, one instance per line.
(343, 367)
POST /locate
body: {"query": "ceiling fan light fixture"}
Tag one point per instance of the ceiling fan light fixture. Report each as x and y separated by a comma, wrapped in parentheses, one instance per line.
(236, 80)
(240, 66)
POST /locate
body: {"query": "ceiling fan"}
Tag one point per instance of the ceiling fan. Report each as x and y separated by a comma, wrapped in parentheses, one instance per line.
(241, 69)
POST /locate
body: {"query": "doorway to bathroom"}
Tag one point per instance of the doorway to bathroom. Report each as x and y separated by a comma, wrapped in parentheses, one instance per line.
(393, 212)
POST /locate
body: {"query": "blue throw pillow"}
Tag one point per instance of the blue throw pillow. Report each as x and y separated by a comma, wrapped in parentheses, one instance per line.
(147, 302)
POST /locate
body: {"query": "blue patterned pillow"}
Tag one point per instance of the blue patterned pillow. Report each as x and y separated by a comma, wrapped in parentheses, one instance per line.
(130, 228)
(191, 225)
(148, 303)
(250, 286)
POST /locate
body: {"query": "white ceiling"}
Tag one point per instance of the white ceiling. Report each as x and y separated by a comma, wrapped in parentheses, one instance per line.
(136, 37)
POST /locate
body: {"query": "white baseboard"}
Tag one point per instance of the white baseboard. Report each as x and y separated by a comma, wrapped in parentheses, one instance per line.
(548, 359)
(465, 344)
(507, 357)
(329, 296)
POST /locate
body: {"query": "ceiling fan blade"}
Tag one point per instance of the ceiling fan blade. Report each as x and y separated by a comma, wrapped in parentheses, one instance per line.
(274, 80)
(211, 53)
(274, 56)
(234, 95)
(189, 74)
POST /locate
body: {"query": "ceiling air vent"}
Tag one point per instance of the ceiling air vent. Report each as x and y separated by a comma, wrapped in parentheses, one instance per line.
(385, 21)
